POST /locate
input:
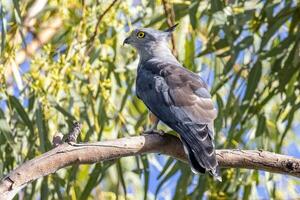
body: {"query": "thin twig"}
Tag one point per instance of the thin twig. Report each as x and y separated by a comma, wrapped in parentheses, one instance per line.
(72, 136)
(93, 37)
(170, 16)
(100, 19)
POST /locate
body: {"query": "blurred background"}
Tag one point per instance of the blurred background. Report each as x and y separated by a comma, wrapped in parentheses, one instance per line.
(63, 60)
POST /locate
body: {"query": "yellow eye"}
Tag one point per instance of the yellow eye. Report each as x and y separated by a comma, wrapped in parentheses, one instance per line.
(140, 34)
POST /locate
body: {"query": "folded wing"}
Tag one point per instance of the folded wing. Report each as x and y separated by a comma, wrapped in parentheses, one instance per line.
(181, 100)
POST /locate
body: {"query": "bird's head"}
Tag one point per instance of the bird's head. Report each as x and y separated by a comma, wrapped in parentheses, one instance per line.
(149, 41)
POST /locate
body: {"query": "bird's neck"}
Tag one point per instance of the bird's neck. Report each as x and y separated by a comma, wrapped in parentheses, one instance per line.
(157, 51)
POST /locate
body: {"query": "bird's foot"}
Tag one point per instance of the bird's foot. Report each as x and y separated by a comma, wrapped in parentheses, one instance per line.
(153, 131)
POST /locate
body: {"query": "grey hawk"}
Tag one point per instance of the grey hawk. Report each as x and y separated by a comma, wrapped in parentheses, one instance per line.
(176, 96)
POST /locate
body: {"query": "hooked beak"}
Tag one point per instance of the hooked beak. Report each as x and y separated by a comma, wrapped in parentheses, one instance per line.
(126, 41)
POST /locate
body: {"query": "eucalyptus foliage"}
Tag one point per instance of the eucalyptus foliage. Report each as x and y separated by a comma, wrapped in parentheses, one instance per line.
(247, 51)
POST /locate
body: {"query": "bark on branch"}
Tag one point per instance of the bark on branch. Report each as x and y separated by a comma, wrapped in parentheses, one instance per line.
(69, 153)
(170, 16)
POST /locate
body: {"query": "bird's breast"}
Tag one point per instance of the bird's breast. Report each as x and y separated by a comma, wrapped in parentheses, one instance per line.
(146, 87)
(144, 83)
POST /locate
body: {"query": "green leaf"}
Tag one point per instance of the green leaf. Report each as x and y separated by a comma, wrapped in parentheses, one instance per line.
(193, 13)
(146, 175)
(166, 167)
(292, 83)
(189, 53)
(247, 192)
(31, 102)
(39, 117)
(92, 181)
(6, 131)
(14, 102)
(3, 29)
(261, 125)
(274, 25)
(216, 5)
(17, 11)
(167, 176)
(183, 183)
(45, 189)
(219, 120)
(220, 44)
(253, 80)
(128, 91)
(121, 177)
(64, 112)
(279, 49)
(246, 42)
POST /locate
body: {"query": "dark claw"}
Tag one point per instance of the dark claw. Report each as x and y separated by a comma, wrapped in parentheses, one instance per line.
(148, 132)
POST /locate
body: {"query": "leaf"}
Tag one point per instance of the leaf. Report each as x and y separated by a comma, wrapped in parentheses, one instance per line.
(216, 5)
(183, 183)
(181, 10)
(280, 48)
(71, 177)
(19, 20)
(167, 176)
(247, 192)
(44, 188)
(64, 112)
(146, 175)
(246, 42)
(189, 52)
(219, 120)
(31, 101)
(6, 131)
(261, 125)
(230, 63)
(274, 25)
(92, 181)
(14, 102)
(291, 85)
(17, 11)
(193, 13)
(128, 91)
(289, 119)
(58, 183)
(253, 80)
(156, 20)
(3, 29)
(121, 177)
(220, 44)
(166, 167)
(41, 128)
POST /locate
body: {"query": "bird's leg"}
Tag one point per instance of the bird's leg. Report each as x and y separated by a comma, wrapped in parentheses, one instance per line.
(153, 129)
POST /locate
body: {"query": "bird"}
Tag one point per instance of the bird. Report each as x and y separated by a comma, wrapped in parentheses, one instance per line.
(176, 96)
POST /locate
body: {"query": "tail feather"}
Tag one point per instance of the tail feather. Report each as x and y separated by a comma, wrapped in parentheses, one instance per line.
(199, 147)
(196, 167)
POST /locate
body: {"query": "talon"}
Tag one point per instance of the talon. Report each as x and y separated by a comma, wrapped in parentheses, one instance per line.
(151, 131)
(147, 132)
(160, 132)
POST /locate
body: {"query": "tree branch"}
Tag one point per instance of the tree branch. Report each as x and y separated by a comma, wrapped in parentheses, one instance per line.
(170, 17)
(100, 19)
(69, 153)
